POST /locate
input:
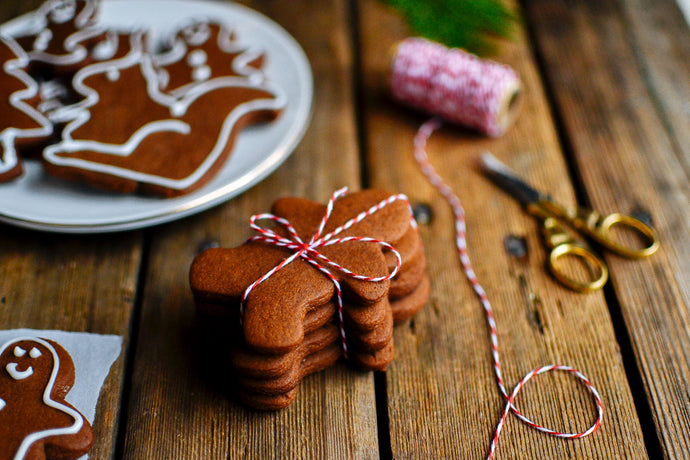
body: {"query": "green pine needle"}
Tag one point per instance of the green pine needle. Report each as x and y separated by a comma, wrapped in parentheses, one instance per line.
(472, 25)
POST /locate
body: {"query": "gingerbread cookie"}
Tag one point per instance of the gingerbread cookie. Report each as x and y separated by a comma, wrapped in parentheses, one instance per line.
(215, 277)
(63, 37)
(35, 420)
(201, 51)
(20, 122)
(174, 143)
(274, 302)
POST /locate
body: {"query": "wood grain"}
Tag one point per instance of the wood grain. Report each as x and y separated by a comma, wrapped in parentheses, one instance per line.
(627, 153)
(612, 77)
(661, 41)
(179, 408)
(442, 396)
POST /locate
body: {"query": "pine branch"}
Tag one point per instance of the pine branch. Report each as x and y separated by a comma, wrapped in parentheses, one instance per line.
(469, 24)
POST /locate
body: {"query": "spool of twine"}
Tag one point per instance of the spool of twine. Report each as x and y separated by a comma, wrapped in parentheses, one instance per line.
(455, 85)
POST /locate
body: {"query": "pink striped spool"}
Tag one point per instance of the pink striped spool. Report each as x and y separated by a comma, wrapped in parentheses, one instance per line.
(457, 86)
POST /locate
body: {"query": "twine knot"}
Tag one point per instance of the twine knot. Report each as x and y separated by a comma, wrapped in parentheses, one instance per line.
(309, 251)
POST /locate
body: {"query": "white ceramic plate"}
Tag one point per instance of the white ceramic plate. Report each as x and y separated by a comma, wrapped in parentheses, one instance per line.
(41, 202)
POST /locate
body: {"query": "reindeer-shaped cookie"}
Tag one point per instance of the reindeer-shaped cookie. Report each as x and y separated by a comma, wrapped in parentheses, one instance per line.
(35, 420)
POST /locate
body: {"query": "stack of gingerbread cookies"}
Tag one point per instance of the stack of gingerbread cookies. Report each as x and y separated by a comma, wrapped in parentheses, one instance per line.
(289, 325)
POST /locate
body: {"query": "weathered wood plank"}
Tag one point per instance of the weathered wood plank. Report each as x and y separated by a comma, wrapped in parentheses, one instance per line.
(610, 93)
(442, 396)
(176, 411)
(660, 37)
(72, 283)
(75, 284)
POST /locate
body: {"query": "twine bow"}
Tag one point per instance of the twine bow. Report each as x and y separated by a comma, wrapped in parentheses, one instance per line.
(309, 251)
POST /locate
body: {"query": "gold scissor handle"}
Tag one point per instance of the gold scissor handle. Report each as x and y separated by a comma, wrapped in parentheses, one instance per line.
(599, 229)
(563, 244)
(601, 232)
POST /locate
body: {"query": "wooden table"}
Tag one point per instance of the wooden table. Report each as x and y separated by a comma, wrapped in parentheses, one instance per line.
(605, 122)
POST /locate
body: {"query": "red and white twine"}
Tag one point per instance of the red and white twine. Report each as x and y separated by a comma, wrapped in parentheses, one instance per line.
(460, 238)
(455, 85)
(309, 251)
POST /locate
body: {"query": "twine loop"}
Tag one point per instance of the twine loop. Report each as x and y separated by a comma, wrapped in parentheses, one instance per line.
(309, 251)
(420, 141)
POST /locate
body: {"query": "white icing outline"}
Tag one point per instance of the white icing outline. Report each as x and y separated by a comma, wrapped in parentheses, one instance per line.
(110, 43)
(42, 40)
(71, 43)
(48, 401)
(177, 105)
(11, 369)
(51, 92)
(197, 37)
(15, 67)
(67, 15)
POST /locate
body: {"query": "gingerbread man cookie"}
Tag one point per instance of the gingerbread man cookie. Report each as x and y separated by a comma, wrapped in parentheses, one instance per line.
(35, 420)
(20, 122)
(130, 136)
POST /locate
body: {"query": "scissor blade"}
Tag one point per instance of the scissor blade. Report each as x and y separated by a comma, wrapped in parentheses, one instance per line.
(509, 181)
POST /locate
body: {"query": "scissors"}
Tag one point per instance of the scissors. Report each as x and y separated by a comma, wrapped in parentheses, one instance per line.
(556, 219)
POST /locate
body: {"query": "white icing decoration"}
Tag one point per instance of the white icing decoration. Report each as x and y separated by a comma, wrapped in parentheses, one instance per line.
(197, 33)
(107, 48)
(19, 351)
(163, 78)
(113, 74)
(43, 40)
(201, 73)
(48, 401)
(19, 375)
(177, 104)
(87, 14)
(225, 41)
(2, 404)
(41, 23)
(136, 139)
(63, 11)
(52, 89)
(17, 99)
(197, 58)
(48, 107)
(35, 353)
